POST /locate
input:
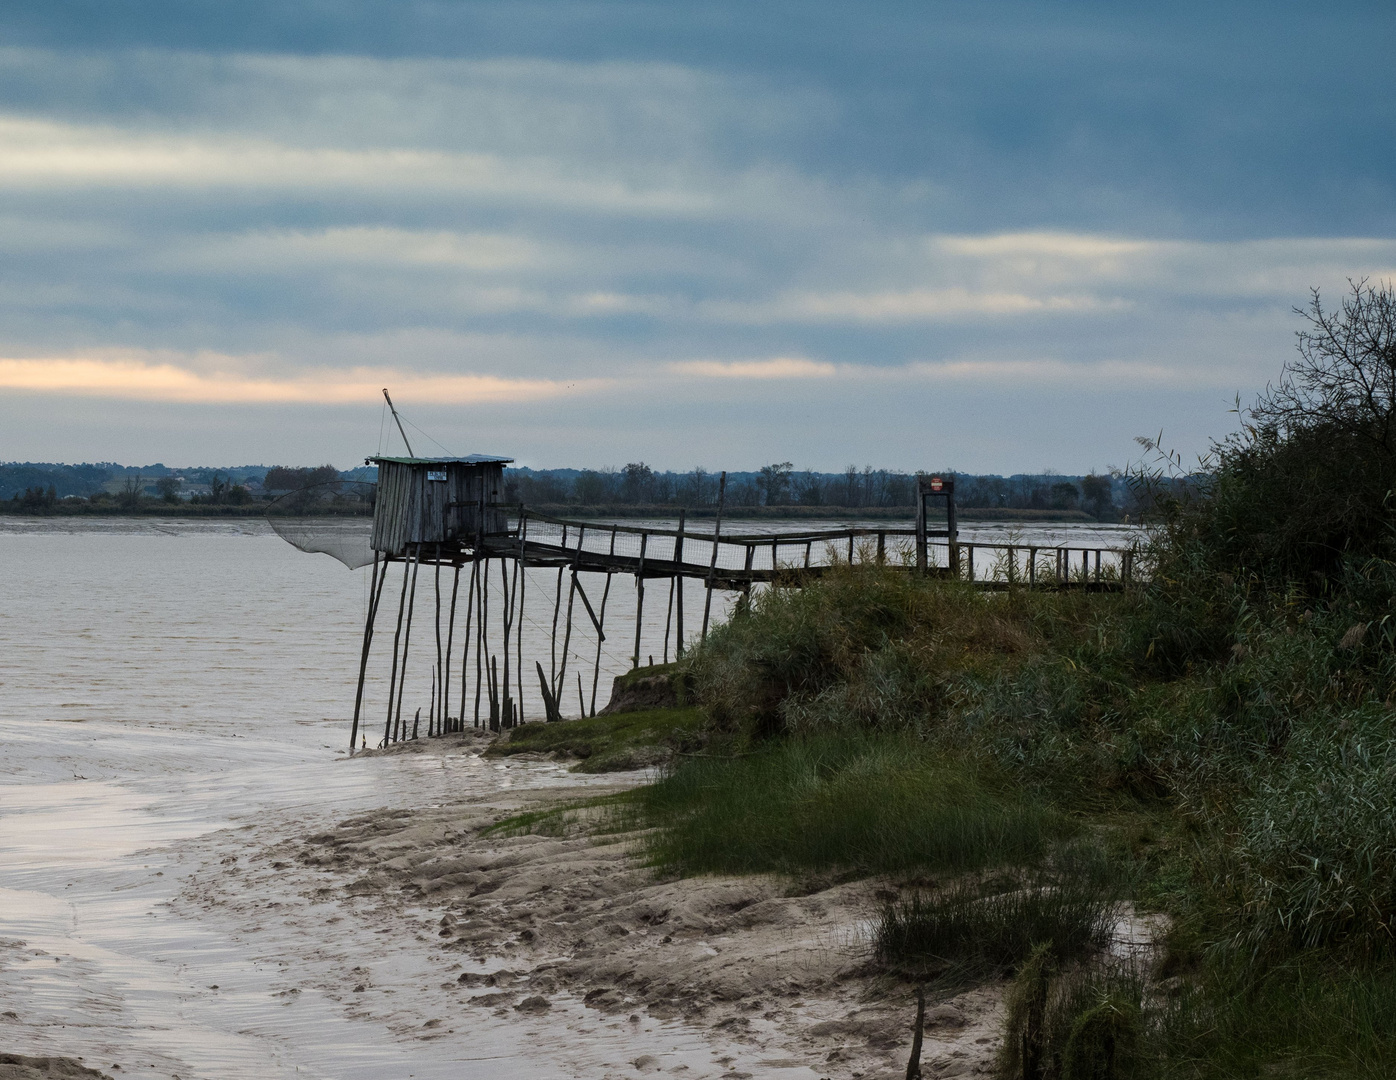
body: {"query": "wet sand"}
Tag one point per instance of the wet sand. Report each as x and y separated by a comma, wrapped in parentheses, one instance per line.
(566, 954)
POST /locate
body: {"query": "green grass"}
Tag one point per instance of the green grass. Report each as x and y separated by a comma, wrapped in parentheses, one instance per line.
(633, 740)
(878, 803)
(980, 929)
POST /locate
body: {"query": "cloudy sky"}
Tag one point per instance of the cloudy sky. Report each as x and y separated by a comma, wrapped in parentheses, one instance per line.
(996, 237)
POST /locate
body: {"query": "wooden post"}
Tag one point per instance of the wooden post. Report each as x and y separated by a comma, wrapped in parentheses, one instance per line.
(494, 693)
(669, 616)
(375, 591)
(567, 632)
(970, 549)
(397, 638)
(507, 618)
(712, 566)
(640, 595)
(438, 671)
(881, 547)
(581, 698)
(450, 640)
(407, 643)
(523, 592)
(557, 610)
(1012, 562)
(809, 547)
(850, 547)
(600, 630)
(922, 562)
(481, 587)
(465, 649)
(678, 607)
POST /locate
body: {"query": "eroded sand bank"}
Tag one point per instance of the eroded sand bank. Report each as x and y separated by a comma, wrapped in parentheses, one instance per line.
(564, 956)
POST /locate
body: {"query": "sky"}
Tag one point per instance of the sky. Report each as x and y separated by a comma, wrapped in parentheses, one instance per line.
(996, 238)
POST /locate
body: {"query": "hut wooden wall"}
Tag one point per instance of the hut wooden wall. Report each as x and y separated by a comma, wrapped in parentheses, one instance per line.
(410, 509)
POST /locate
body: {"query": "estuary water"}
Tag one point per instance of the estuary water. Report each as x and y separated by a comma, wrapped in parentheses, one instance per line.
(161, 681)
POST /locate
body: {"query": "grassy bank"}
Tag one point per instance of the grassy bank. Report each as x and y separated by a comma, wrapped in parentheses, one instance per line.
(1217, 745)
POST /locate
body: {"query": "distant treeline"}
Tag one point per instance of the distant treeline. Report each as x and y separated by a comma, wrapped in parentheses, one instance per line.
(1103, 497)
(30, 487)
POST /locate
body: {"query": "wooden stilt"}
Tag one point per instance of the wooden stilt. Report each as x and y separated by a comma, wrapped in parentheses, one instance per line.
(406, 643)
(479, 636)
(712, 566)
(494, 694)
(669, 615)
(678, 606)
(436, 676)
(557, 611)
(507, 620)
(581, 699)
(601, 631)
(375, 591)
(450, 640)
(465, 649)
(640, 596)
(523, 592)
(397, 637)
(415, 721)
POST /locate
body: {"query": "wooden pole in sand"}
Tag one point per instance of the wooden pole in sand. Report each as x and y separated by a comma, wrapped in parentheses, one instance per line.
(407, 641)
(669, 615)
(712, 566)
(600, 629)
(375, 591)
(397, 637)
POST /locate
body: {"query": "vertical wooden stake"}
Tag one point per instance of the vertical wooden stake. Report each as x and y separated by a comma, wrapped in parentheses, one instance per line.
(669, 615)
(375, 591)
(397, 637)
(581, 698)
(712, 566)
(465, 648)
(678, 606)
(640, 595)
(437, 681)
(567, 635)
(406, 643)
(450, 640)
(507, 616)
(523, 592)
(601, 630)
(479, 633)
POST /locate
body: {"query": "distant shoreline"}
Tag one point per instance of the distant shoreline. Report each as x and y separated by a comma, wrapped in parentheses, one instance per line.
(623, 510)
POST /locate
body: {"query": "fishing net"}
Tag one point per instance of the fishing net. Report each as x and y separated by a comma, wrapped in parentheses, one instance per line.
(334, 519)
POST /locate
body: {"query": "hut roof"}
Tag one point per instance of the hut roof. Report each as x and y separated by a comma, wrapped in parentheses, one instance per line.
(466, 459)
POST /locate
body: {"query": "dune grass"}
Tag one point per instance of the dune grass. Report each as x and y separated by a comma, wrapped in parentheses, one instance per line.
(632, 740)
(978, 928)
(865, 804)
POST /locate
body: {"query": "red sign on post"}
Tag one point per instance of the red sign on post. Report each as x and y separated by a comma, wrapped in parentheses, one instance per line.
(937, 483)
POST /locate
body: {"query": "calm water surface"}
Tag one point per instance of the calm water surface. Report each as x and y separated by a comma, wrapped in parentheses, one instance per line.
(160, 680)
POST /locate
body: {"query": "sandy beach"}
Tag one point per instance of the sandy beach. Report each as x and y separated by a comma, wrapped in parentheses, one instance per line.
(565, 953)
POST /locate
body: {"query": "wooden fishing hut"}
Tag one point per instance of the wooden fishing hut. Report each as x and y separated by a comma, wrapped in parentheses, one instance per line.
(442, 511)
(429, 501)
